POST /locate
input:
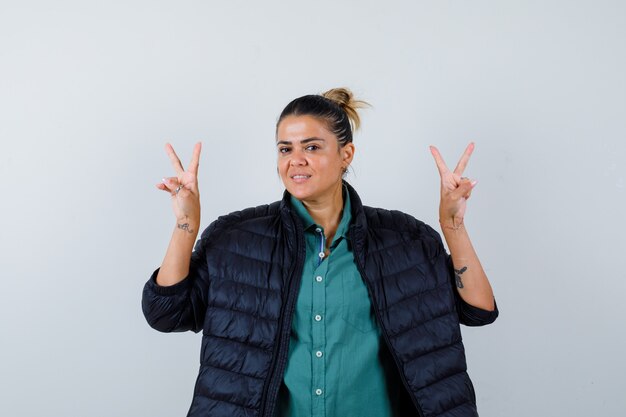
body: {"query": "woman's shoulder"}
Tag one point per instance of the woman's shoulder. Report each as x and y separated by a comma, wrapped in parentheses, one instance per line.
(252, 219)
(399, 221)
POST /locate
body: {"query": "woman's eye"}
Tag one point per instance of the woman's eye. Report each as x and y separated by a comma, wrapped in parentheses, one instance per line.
(283, 150)
(312, 147)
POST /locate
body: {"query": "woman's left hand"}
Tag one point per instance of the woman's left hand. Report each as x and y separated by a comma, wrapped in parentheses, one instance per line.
(455, 189)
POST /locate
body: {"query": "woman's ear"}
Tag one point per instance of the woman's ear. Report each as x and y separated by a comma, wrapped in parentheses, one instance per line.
(347, 153)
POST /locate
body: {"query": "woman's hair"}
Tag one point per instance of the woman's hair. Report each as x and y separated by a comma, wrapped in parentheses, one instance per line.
(336, 107)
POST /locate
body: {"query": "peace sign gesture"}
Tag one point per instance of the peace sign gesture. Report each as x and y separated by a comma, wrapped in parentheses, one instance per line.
(455, 189)
(184, 186)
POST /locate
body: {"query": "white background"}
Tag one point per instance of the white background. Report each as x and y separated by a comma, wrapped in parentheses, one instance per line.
(91, 91)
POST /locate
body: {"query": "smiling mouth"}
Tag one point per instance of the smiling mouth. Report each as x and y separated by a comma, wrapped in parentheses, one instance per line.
(300, 178)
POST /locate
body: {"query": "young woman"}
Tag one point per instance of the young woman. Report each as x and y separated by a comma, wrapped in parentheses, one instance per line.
(317, 305)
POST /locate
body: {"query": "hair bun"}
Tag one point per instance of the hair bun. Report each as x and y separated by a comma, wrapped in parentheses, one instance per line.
(344, 98)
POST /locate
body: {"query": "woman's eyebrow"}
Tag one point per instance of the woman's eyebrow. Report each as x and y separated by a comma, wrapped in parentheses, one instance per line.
(303, 141)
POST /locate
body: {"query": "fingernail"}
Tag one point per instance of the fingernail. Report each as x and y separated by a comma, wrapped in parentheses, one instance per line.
(163, 180)
(474, 183)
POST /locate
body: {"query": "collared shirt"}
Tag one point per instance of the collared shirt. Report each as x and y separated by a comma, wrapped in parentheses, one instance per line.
(334, 366)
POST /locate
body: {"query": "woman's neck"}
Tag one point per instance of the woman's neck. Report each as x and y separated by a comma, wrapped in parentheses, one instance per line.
(327, 212)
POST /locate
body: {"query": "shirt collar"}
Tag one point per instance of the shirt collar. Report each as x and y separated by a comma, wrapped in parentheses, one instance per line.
(346, 217)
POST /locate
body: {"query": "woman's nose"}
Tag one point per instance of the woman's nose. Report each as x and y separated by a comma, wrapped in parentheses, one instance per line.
(297, 160)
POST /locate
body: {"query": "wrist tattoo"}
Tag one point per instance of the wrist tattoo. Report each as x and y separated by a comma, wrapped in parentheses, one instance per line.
(457, 276)
(185, 226)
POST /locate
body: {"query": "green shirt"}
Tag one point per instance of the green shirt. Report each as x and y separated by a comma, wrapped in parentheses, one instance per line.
(333, 367)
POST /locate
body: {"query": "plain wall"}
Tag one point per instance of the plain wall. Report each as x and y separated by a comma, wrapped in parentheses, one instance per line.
(91, 91)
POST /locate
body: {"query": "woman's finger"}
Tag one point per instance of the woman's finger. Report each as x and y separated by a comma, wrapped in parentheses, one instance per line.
(450, 181)
(178, 166)
(171, 184)
(163, 187)
(441, 165)
(460, 167)
(463, 190)
(469, 192)
(195, 159)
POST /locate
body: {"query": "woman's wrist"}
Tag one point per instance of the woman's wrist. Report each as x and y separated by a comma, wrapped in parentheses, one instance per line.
(451, 224)
(188, 225)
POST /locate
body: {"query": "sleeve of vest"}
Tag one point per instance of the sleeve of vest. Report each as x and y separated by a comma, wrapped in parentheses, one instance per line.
(469, 315)
(182, 306)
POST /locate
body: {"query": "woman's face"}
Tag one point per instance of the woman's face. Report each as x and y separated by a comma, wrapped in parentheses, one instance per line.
(310, 162)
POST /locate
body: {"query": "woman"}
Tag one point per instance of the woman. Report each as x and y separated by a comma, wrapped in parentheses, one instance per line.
(316, 305)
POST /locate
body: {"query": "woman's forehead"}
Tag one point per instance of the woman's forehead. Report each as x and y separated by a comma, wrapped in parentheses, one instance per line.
(298, 128)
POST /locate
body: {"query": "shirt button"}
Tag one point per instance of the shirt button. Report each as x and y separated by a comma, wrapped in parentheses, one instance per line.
(318, 391)
(318, 317)
(318, 278)
(319, 353)
(318, 230)
(321, 254)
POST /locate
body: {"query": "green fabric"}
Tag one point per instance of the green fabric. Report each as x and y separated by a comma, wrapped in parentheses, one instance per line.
(339, 354)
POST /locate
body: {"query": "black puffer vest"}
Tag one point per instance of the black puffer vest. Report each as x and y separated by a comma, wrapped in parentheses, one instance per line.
(241, 292)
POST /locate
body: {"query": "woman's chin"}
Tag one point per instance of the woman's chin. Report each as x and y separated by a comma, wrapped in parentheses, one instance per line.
(299, 193)
(305, 191)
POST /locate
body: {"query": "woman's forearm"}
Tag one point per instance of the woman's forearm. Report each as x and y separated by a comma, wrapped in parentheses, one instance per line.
(175, 266)
(185, 196)
(471, 280)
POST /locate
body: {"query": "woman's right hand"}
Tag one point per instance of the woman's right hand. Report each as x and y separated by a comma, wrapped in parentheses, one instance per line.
(184, 187)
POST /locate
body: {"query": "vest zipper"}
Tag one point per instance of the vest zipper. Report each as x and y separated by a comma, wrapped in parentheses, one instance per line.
(270, 390)
(384, 332)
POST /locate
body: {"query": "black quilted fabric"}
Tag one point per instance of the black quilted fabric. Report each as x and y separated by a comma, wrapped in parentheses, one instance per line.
(241, 290)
